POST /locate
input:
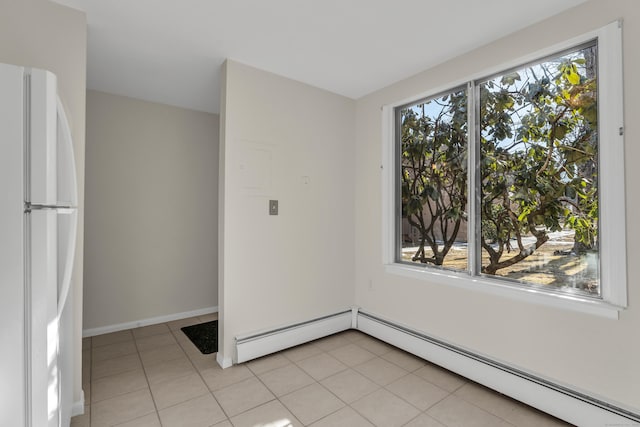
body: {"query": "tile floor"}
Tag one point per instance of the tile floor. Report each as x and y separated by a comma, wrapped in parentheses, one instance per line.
(154, 376)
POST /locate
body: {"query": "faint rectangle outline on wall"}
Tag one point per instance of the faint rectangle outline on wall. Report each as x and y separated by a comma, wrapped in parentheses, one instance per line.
(256, 166)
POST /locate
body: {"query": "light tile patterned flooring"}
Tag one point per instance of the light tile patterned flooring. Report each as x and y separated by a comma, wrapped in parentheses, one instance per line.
(155, 376)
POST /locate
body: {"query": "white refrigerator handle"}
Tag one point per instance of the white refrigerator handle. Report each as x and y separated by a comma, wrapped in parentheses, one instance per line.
(67, 180)
(70, 188)
(68, 266)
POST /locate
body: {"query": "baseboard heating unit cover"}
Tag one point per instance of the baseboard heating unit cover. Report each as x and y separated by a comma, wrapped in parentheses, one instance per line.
(259, 344)
(558, 400)
(562, 402)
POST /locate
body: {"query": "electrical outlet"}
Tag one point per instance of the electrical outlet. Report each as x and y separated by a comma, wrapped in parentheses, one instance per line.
(273, 207)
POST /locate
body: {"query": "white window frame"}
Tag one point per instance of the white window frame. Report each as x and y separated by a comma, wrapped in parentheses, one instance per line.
(612, 230)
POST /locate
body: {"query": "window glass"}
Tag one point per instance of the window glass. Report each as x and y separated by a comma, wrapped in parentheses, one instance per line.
(539, 173)
(536, 187)
(432, 146)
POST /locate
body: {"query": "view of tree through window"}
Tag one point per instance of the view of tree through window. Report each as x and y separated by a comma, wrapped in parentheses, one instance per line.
(537, 184)
(434, 181)
(539, 166)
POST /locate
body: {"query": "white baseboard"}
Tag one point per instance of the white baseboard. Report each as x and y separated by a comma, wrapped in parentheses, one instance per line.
(223, 362)
(146, 322)
(562, 402)
(78, 407)
(259, 344)
(354, 317)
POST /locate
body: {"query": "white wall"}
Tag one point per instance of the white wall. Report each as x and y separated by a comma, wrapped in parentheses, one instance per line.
(589, 353)
(151, 217)
(278, 270)
(45, 35)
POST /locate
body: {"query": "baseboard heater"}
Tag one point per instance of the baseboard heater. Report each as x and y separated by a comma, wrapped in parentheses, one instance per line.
(557, 400)
(259, 344)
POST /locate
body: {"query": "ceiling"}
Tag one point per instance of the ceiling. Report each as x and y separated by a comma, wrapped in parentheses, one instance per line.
(170, 51)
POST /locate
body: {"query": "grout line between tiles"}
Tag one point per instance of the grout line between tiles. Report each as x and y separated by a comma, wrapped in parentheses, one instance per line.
(144, 370)
(200, 375)
(513, 402)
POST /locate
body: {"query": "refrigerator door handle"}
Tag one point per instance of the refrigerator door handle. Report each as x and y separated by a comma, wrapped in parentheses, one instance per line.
(67, 184)
(68, 195)
(28, 207)
(65, 285)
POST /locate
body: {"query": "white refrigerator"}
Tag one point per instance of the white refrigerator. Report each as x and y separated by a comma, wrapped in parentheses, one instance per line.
(38, 223)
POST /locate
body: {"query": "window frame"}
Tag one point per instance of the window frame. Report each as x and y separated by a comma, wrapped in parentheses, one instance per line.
(398, 151)
(612, 230)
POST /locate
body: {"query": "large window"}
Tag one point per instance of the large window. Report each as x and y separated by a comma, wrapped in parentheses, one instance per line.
(506, 178)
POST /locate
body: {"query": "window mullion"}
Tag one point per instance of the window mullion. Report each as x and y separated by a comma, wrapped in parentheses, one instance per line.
(473, 178)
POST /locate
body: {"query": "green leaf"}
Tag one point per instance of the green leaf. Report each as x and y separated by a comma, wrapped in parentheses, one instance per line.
(573, 77)
(570, 192)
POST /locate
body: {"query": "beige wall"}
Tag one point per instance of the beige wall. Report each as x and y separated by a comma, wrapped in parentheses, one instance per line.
(586, 352)
(151, 215)
(278, 270)
(45, 35)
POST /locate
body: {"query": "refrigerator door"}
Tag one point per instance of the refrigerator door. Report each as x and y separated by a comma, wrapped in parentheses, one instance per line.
(41, 143)
(42, 323)
(67, 225)
(50, 242)
(51, 169)
(12, 303)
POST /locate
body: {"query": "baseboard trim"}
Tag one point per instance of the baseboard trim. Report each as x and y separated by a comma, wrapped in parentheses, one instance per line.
(557, 400)
(146, 322)
(224, 362)
(254, 345)
(78, 406)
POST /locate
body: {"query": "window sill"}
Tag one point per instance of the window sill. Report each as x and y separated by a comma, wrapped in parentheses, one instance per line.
(479, 284)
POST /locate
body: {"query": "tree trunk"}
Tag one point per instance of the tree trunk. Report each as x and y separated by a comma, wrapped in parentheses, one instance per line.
(493, 267)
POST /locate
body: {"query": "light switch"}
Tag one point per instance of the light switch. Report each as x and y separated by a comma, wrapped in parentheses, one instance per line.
(273, 207)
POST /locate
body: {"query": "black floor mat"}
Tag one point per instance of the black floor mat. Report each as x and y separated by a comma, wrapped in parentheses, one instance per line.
(204, 336)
